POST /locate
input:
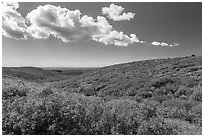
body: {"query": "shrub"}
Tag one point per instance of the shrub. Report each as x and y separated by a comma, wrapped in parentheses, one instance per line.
(172, 112)
(197, 109)
(145, 94)
(47, 91)
(197, 94)
(121, 117)
(12, 91)
(52, 114)
(148, 108)
(190, 82)
(179, 103)
(159, 98)
(159, 82)
(182, 90)
(156, 126)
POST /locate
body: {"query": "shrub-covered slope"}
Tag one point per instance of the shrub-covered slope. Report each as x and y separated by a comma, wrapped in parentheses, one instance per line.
(143, 78)
(154, 97)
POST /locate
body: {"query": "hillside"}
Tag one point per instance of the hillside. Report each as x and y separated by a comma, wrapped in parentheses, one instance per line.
(28, 73)
(42, 74)
(150, 97)
(135, 78)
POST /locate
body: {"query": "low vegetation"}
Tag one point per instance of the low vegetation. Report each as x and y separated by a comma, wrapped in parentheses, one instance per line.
(154, 97)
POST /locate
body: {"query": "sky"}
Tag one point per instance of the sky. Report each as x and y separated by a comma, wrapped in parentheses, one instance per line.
(88, 34)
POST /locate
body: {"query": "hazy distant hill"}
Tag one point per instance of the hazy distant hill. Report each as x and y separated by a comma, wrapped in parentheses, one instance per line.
(132, 78)
(42, 74)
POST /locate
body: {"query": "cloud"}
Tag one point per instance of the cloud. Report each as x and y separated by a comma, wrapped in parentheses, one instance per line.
(163, 44)
(174, 44)
(117, 38)
(69, 26)
(13, 24)
(143, 41)
(114, 12)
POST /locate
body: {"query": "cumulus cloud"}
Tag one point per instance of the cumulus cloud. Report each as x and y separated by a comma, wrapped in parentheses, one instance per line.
(13, 24)
(117, 38)
(114, 12)
(68, 25)
(163, 44)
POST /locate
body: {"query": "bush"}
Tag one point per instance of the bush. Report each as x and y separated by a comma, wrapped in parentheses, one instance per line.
(160, 82)
(172, 112)
(197, 109)
(190, 82)
(197, 94)
(156, 126)
(121, 117)
(182, 90)
(148, 108)
(159, 98)
(12, 91)
(52, 114)
(125, 116)
(179, 103)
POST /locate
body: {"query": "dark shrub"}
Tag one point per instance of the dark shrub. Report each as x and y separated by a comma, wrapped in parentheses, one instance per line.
(182, 91)
(47, 91)
(159, 82)
(145, 94)
(159, 98)
(12, 91)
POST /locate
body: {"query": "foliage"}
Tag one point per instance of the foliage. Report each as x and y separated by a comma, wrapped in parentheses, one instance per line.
(51, 114)
(156, 126)
(121, 117)
(12, 91)
(145, 97)
(197, 94)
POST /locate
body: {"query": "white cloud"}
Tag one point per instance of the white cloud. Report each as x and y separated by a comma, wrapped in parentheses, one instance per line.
(13, 24)
(143, 41)
(49, 19)
(70, 26)
(174, 44)
(65, 24)
(114, 12)
(155, 43)
(163, 44)
(117, 38)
